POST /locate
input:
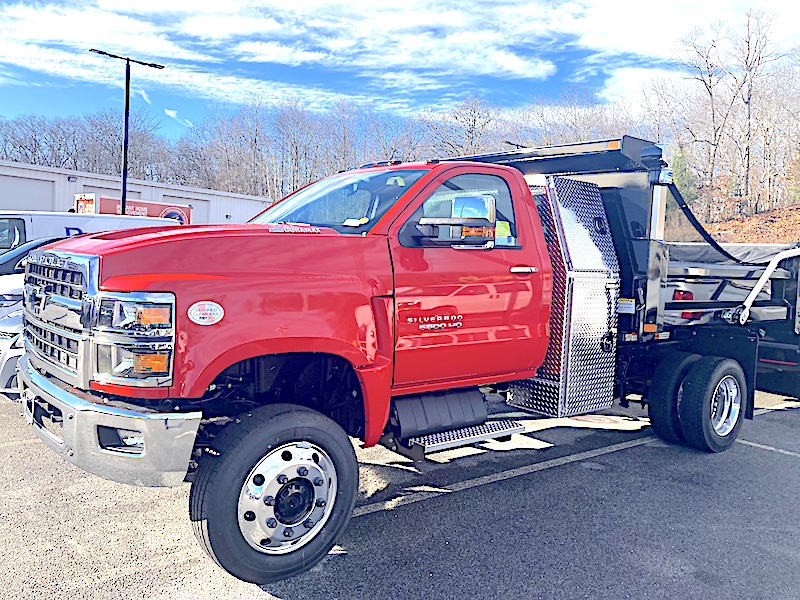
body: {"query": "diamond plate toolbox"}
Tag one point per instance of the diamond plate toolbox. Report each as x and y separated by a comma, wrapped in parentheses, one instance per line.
(578, 372)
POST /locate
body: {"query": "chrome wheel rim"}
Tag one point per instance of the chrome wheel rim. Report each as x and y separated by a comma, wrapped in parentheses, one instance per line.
(287, 498)
(726, 403)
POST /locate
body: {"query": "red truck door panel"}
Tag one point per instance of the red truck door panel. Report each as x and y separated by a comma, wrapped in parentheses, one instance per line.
(467, 313)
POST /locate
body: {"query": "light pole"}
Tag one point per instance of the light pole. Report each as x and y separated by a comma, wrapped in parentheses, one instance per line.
(128, 62)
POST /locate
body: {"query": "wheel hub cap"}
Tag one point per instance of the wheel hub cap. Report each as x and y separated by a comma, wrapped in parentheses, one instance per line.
(726, 403)
(294, 501)
(292, 484)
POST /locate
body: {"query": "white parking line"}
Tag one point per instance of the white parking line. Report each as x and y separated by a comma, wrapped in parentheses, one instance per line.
(460, 486)
(770, 448)
(18, 443)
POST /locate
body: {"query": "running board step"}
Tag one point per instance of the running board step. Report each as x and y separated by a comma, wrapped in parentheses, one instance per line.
(435, 442)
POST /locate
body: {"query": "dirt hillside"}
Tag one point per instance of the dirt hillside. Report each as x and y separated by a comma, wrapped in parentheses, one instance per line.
(780, 226)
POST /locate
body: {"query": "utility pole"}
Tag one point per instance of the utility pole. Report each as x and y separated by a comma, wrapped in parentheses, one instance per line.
(128, 60)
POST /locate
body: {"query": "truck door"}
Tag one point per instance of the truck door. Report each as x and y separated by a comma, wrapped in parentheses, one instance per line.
(467, 314)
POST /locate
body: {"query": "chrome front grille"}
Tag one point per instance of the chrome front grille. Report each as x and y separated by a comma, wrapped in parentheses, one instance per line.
(53, 345)
(58, 281)
(62, 335)
(56, 287)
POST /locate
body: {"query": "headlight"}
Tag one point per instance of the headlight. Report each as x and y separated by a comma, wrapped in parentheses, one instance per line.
(134, 339)
(133, 362)
(136, 317)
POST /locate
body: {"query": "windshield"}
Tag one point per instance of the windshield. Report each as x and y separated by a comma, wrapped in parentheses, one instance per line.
(12, 233)
(349, 203)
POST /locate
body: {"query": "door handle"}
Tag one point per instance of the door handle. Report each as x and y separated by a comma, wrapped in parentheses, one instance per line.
(524, 270)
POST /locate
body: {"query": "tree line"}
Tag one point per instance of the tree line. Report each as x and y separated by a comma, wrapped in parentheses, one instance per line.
(730, 125)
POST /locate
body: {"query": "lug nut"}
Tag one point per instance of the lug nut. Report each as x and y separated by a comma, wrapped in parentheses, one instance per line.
(258, 479)
(265, 542)
(249, 516)
(320, 503)
(288, 532)
(282, 479)
(272, 523)
(302, 471)
(308, 523)
(269, 501)
(319, 481)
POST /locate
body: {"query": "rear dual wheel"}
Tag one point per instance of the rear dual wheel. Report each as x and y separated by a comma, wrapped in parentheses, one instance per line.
(274, 493)
(666, 393)
(712, 407)
(698, 401)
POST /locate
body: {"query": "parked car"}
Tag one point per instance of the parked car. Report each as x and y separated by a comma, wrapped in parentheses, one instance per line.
(11, 293)
(11, 349)
(12, 261)
(18, 227)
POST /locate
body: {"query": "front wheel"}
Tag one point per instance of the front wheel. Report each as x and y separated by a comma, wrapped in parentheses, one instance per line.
(274, 493)
(712, 404)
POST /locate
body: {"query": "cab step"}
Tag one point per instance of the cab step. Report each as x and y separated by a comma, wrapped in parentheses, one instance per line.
(436, 442)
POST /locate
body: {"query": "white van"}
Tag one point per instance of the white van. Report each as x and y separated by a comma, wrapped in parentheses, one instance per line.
(18, 227)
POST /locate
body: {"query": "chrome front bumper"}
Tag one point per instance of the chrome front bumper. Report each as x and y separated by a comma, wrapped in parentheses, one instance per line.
(71, 424)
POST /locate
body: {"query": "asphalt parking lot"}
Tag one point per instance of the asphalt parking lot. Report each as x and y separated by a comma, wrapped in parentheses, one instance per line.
(593, 507)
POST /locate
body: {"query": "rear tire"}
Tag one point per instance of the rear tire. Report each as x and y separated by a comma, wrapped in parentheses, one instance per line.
(713, 403)
(274, 493)
(666, 393)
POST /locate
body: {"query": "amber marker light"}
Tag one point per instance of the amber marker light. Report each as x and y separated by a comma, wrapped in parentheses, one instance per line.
(146, 364)
(154, 315)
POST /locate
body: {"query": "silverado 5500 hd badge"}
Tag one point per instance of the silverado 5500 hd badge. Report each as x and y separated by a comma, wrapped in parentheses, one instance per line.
(433, 322)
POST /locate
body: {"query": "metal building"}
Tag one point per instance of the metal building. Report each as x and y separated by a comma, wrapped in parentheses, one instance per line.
(31, 187)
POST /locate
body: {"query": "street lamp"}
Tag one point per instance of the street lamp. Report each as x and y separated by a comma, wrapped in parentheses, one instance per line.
(128, 62)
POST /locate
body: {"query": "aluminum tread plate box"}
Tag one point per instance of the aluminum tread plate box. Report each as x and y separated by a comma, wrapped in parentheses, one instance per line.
(577, 375)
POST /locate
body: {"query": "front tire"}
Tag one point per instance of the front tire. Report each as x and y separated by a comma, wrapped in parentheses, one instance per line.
(712, 407)
(274, 493)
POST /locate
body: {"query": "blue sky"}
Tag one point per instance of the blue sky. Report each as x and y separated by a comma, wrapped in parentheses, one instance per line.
(399, 56)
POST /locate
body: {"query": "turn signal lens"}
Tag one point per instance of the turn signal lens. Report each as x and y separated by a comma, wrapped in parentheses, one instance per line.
(150, 364)
(153, 315)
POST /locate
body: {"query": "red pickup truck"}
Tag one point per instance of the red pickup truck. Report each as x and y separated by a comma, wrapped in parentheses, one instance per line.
(377, 304)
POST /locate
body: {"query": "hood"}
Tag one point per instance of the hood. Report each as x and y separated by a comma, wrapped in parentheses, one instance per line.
(165, 259)
(120, 241)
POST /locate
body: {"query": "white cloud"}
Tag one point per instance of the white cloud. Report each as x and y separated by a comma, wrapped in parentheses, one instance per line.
(215, 50)
(630, 84)
(222, 27)
(273, 52)
(144, 95)
(67, 27)
(173, 114)
(631, 27)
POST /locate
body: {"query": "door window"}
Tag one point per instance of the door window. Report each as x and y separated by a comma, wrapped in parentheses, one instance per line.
(441, 202)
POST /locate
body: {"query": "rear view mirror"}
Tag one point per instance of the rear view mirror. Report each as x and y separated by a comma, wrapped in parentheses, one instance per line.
(471, 224)
(474, 207)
